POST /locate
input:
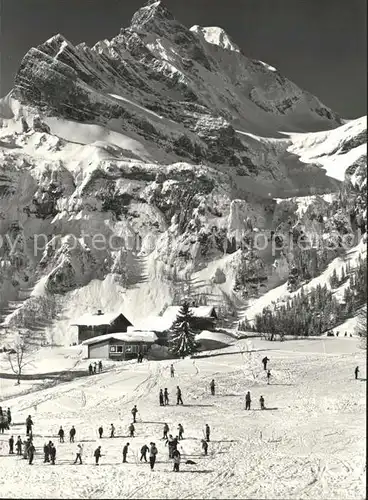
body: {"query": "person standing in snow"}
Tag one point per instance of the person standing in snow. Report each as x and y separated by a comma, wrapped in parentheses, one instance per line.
(356, 371)
(204, 446)
(9, 416)
(90, 369)
(268, 376)
(161, 398)
(72, 433)
(79, 453)
(131, 430)
(19, 446)
(176, 458)
(134, 413)
(248, 401)
(95, 368)
(125, 452)
(100, 431)
(100, 366)
(152, 455)
(144, 451)
(46, 453)
(11, 445)
(212, 387)
(97, 454)
(181, 431)
(261, 402)
(31, 452)
(166, 430)
(178, 395)
(207, 431)
(29, 424)
(112, 431)
(172, 371)
(265, 361)
(166, 396)
(52, 453)
(61, 434)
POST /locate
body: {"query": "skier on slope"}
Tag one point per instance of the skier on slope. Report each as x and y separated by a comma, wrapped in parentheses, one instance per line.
(176, 458)
(29, 424)
(248, 401)
(178, 395)
(144, 451)
(100, 431)
(261, 402)
(181, 431)
(46, 453)
(134, 413)
(265, 361)
(90, 369)
(170, 443)
(212, 387)
(166, 430)
(11, 445)
(9, 416)
(79, 453)
(61, 434)
(172, 371)
(19, 446)
(268, 376)
(97, 454)
(112, 431)
(125, 452)
(52, 453)
(72, 433)
(31, 451)
(207, 431)
(152, 455)
(161, 398)
(166, 396)
(356, 371)
(204, 446)
(131, 429)
(99, 366)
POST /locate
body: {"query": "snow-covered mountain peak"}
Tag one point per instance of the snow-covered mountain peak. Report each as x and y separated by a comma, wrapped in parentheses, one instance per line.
(151, 17)
(216, 36)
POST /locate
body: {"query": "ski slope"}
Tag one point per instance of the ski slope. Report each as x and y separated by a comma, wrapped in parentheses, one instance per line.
(309, 444)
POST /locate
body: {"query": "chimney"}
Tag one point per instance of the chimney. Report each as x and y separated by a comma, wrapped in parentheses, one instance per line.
(99, 312)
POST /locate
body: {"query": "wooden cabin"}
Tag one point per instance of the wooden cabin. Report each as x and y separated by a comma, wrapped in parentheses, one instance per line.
(95, 325)
(120, 346)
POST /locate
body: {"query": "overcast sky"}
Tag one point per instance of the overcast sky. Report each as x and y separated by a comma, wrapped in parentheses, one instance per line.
(319, 44)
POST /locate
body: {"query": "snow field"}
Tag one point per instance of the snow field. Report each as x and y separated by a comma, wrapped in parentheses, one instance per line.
(310, 443)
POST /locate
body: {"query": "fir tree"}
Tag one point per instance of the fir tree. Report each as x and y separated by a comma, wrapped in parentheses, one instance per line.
(182, 337)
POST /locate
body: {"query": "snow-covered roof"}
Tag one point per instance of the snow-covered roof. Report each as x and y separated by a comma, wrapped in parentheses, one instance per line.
(155, 323)
(96, 319)
(198, 312)
(216, 337)
(149, 337)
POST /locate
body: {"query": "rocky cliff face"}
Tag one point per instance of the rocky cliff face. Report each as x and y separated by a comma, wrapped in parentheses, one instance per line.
(165, 143)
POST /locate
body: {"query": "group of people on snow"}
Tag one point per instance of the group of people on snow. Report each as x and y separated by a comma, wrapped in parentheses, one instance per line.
(92, 369)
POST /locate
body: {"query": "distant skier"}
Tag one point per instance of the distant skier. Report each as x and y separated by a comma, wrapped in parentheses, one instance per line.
(131, 430)
(31, 451)
(90, 369)
(178, 395)
(79, 453)
(61, 434)
(177, 458)
(166, 396)
(204, 446)
(268, 376)
(46, 453)
(212, 387)
(161, 398)
(112, 431)
(181, 432)
(152, 455)
(11, 445)
(29, 424)
(19, 446)
(247, 401)
(72, 433)
(100, 431)
(52, 453)
(172, 371)
(9, 416)
(95, 368)
(99, 366)
(261, 402)
(166, 430)
(207, 432)
(134, 413)
(144, 451)
(97, 454)
(170, 443)
(265, 361)
(356, 371)
(125, 452)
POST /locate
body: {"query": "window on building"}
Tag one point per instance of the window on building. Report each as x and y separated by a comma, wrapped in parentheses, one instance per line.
(119, 348)
(112, 348)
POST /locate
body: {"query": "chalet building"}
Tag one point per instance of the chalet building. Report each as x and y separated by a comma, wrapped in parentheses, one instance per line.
(95, 325)
(204, 318)
(120, 346)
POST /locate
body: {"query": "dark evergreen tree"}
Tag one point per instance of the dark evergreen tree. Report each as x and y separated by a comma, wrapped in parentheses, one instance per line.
(182, 337)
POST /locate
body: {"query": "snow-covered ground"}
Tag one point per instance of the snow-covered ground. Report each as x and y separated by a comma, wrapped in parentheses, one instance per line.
(310, 443)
